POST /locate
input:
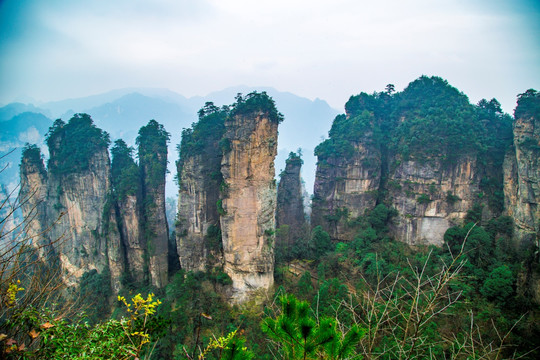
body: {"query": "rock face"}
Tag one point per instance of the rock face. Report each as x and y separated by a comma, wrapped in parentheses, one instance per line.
(426, 152)
(431, 197)
(127, 189)
(78, 187)
(345, 187)
(290, 202)
(152, 141)
(198, 238)
(248, 207)
(90, 212)
(227, 198)
(522, 170)
(32, 195)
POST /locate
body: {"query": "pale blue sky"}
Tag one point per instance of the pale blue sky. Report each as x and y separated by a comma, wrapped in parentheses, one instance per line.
(56, 49)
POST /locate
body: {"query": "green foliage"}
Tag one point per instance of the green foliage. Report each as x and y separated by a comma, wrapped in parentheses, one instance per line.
(221, 211)
(301, 336)
(428, 121)
(423, 199)
(294, 159)
(321, 242)
(54, 337)
(256, 102)
(475, 214)
(528, 105)
(32, 154)
(499, 284)
(74, 144)
(95, 291)
(213, 238)
(125, 173)
(152, 143)
(203, 135)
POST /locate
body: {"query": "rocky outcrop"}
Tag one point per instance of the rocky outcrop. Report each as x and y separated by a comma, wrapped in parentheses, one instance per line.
(152, 141)
(90, 212)
(130, 228)
(425, 152)
(430, 197)
(345, 187)
(227, 198)
(198, 238)
(522, 170)
(81, 195)
(290, 202)
(248, 208)
(127, 194)
(32, 197)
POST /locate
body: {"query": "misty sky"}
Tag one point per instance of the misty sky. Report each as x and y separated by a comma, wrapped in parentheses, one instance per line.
(57, 49)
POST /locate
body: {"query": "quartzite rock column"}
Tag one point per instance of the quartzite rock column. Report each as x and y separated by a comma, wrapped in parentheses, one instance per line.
(152, 141)
(249, 202)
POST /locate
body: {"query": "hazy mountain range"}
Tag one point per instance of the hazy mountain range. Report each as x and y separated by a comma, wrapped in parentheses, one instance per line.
(122, 112)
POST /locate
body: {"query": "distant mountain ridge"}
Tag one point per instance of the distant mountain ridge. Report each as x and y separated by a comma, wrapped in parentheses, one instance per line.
(122, 112)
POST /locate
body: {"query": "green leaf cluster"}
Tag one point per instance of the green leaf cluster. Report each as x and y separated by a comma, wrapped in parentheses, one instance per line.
(302, 336)
(256, 102)
(152, 143)
(74, 144)
(124, 171)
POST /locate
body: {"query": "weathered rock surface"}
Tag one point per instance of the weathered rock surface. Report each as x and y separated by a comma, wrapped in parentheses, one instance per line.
(198, 236)
(131, 233)
(431, 197)
(197, 210)
(522, 179)
(152, 143)
(81, 197)
(32, 197)
(344, 188)
(290, 202)
(248, 209)
(91, 221)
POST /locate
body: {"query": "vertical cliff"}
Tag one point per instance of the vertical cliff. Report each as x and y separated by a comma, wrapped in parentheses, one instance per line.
(431, 197)
(127, 188)
(152, 142)
(425, 152)
(79, 186)
(346, 184)
(248, 205)
(522, 170)
(198, 237)
(290, 203)
(32, 197)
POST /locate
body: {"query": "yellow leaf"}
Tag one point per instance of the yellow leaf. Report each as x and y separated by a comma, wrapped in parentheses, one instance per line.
(47, 325)
(33, 334)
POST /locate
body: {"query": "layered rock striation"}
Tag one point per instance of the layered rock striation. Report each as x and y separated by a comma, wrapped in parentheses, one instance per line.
(152, 141)
(226, 173)
(522, 170)
(425, 152)
(198, 235)
(290, 203)
(85, 214)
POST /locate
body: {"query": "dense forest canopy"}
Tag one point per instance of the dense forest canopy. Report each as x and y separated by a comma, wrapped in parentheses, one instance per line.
(428, 119)
(124, 171)
(152, 143)
(74, 143)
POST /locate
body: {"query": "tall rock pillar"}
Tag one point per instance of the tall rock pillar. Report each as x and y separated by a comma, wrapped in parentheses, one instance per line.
(290, 203)
(152, 141)
(522, 170)
(248, 205)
